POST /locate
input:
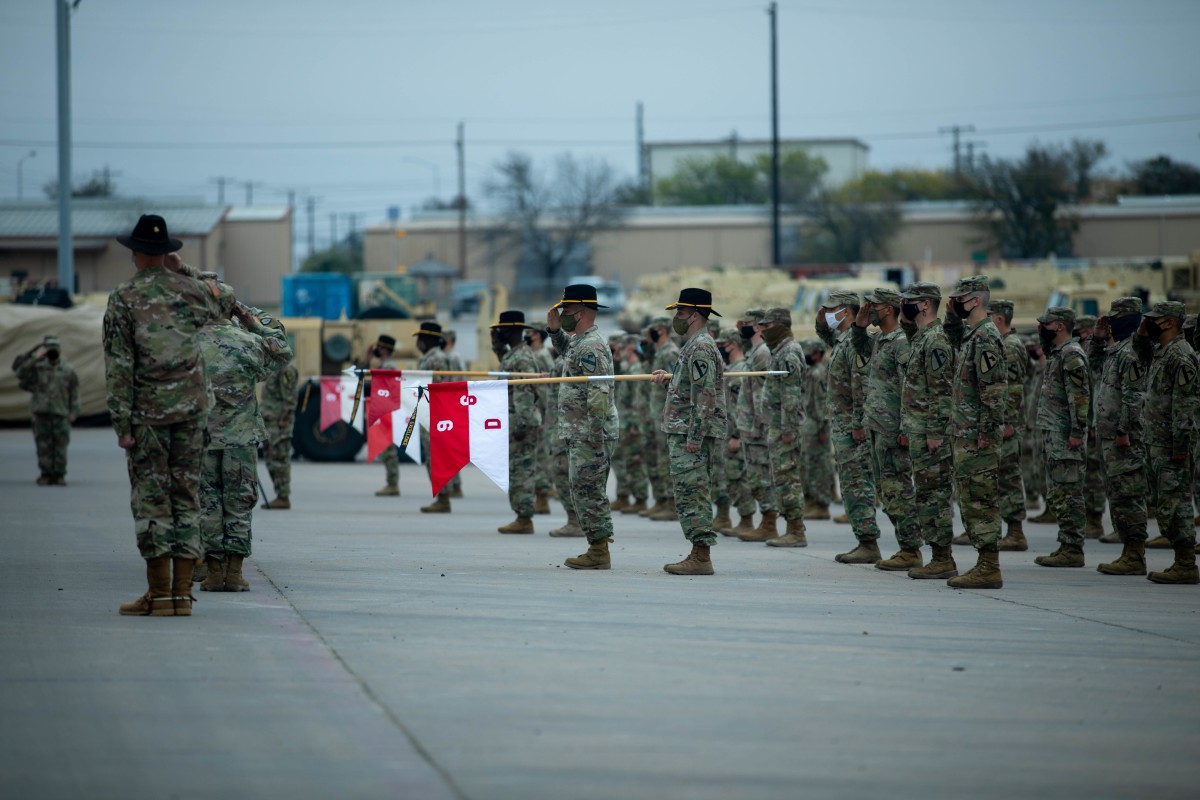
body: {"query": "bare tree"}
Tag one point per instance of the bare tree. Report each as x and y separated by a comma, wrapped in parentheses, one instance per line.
(551, 221)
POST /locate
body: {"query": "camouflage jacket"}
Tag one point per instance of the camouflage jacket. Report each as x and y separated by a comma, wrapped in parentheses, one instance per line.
(980, 383)
(1172, 402)
(154, 370)
(783, 397)
(886, 354)
(748, 415)
(847, 385)
(278, 401)
(1016, 362)
(733, 390)
(234, 361)
(695, 403)
(665, 357)
(1065, 397)
(927, 394)
(54, 385)
(1120, 389)
(1033, 385)
(434, 359)
(523, 411)
(587, 411)
(627, 398)
(546, 393)
(816, 391)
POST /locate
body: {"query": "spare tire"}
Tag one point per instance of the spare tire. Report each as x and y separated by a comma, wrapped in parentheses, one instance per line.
(338, 442)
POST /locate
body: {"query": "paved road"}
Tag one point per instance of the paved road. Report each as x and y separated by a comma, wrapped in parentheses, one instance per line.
(385, 653)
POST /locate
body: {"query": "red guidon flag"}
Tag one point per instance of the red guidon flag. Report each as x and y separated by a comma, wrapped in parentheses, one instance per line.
(382, 404)
(337, 400)
(468, 423)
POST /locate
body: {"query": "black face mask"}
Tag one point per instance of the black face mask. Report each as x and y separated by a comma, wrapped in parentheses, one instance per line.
(528, 340)
(52, 355)
(1153, 330)
(960, 309)
(747, 331)
(724, 354)
(654, 335)
(1047, 336)
(909, 311)
(1123, 327)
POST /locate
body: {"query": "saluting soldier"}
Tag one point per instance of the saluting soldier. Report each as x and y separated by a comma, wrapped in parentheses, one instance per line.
(54, 403)
(752, 433)
(524, 418)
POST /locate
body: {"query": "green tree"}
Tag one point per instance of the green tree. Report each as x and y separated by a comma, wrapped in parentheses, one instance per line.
(718, 181)
(100, 184)
(905, 185)
(845, 227)
(345, 257)
(1162, 176)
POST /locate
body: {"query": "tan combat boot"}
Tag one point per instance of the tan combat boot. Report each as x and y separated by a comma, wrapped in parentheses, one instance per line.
(636, 507)
(1184, 568)
(456, 491)
(541, 503)
(766, 529)
(867, 552)
(1093, 526)
(181, 586)
(818, 511)
(1047, 517)
(518, 525)
(156, 602)
(793, 538)
(199, 572)
(214, 579)
(596, 557)
(906, 558)
(1033, 502)
(697, 563)
(622, 502)
(668, 512)
(721, 522)
(984, 575)
(391, 490)
(439, 506)
(234, 582)
(1067, 555)
(941, 565)
(570, 529)
(963, 538)
(284, 503)
(1015, 538)
(1112, 537)
(745, 525)
(1158, 543)
(1131, 562)
(659, 505)
(842, 519)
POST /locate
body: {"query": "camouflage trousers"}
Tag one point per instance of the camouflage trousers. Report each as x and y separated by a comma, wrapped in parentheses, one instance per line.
(651, 456)
(858, 484)
(818, 467)
(1033, 468)
(522, 470)
(1094, 498)
(390, 458)
(164, 487)
(544, 477)
(1009, 486)
(758, 474)
(1125, 484)
(975, 475)
(51, 435)
(661, 466)
(893, 477)
(445, 492)
(737, 484)
(719, 489)
(787, 475)
(228, 492)
(692, 475)
(1171, 485)
(587, 476)
(1064, 487)
(933, 482)
(277, 455)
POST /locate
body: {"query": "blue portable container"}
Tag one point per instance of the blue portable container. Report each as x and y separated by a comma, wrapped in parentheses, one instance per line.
(317, 294)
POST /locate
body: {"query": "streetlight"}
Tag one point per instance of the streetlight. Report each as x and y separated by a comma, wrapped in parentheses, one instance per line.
(20, 183)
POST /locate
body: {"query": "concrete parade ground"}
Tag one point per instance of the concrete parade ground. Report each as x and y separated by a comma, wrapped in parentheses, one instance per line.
(385, 653)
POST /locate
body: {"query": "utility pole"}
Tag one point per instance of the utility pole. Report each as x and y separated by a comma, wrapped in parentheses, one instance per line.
(311, 203)
(66, 254)
(291, 195)
(220, 182)
(333, 230)
(971, 145)
(776, 258)
(462, 205)
(250, 191)
(956, 131)
(20, 176)
(643, 174)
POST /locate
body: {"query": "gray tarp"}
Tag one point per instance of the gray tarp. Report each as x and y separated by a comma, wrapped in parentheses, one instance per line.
(79, 330)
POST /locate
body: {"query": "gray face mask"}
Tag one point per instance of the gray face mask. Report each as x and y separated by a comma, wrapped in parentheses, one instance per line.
(680, 326)
(568, 322)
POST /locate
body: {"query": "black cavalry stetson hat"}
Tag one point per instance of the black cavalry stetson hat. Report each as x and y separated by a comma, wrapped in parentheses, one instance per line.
(695, 298)
(583, 293)
(150, 237)
(512, 319)
(429, 328)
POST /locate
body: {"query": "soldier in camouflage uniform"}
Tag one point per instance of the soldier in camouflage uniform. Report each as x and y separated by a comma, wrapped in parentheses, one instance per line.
(55, 404)
(782, 404)
(926, 399)
(1033, 466)
(696, 422)
(977, 423)
(620, 457)
(666, 353)
(159, 405)
(547, 402)
(816, 445)
(1093, 481)
(433, 358)
(752, 433)
(235, 359)
(1120, 392)
(587, 420)
(630, 398)
(278, 409)
(734, 480)
(380, 357)
(886, 353)
(1172, 405)
(1064, 405)
(524, 418)
(1010, 487)
(847, 401)
(455, 364)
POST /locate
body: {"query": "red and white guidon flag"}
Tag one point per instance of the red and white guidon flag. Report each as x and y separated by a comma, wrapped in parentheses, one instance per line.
(337, 401)
(468, 423)
(388, 414)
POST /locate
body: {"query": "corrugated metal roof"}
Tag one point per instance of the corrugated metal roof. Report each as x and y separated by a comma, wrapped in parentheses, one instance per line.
(255, 214)
(105, 218)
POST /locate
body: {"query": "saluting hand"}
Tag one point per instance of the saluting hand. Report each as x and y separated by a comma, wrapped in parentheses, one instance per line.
(552, 320)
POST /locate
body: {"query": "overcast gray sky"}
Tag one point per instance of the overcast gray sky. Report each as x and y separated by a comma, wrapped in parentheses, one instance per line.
(356, 101)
